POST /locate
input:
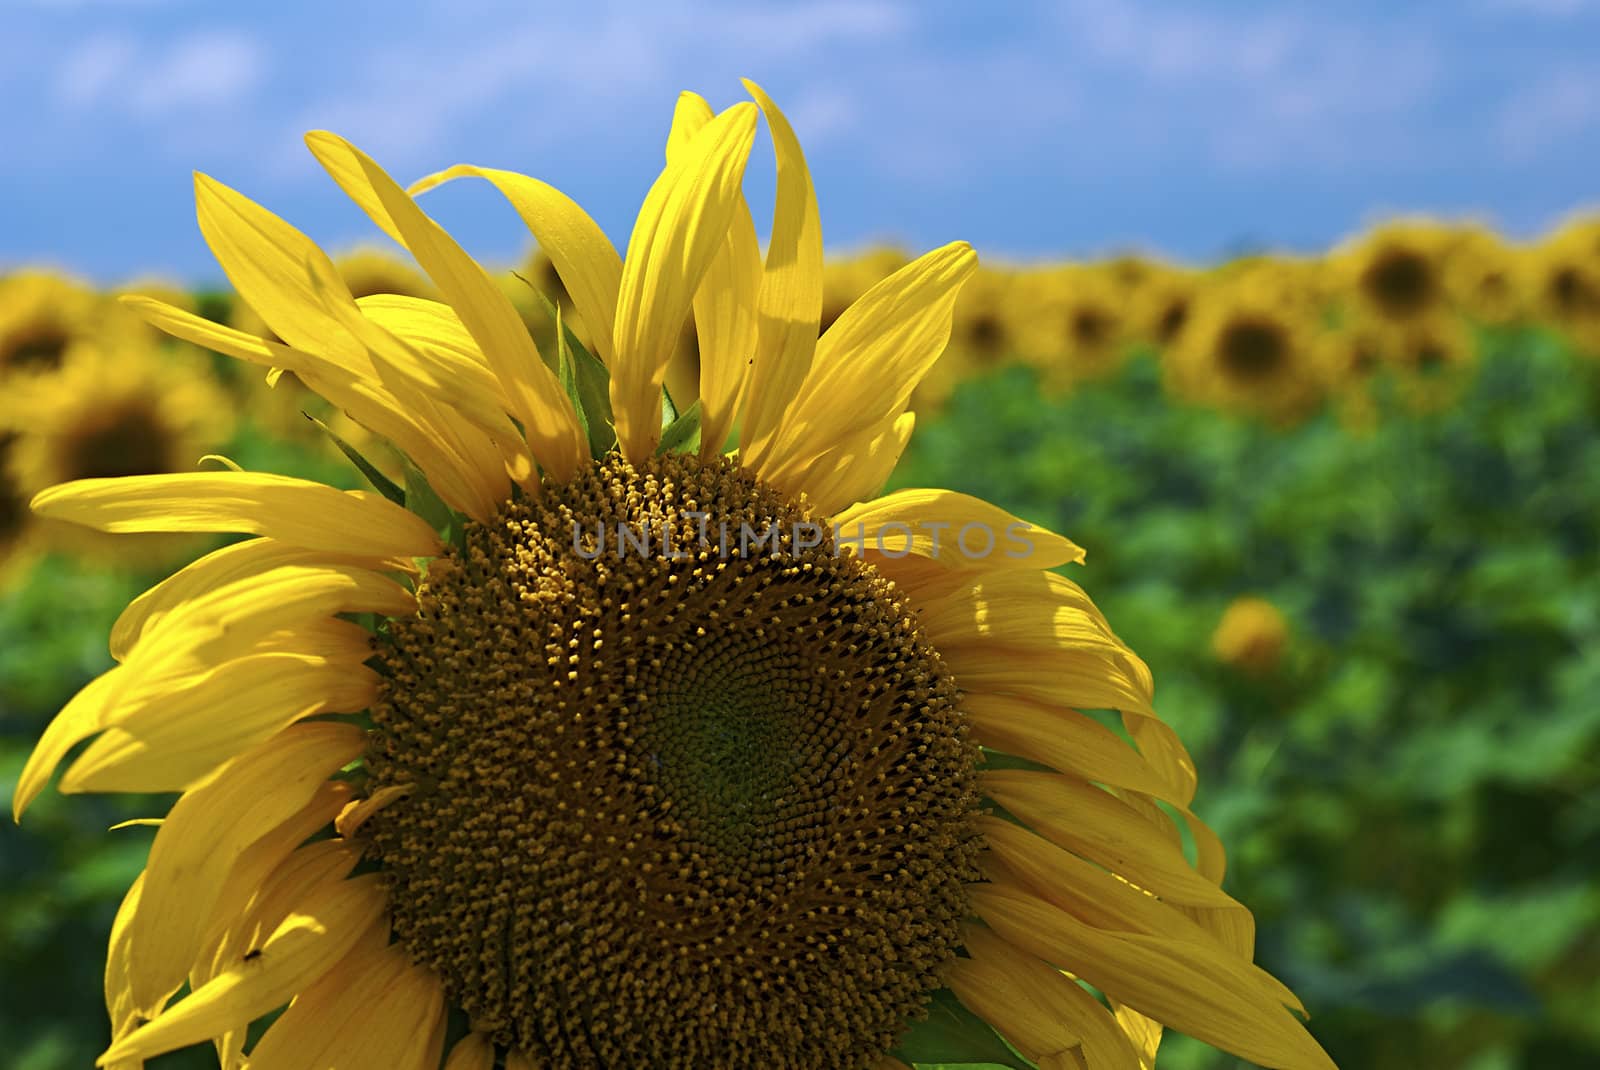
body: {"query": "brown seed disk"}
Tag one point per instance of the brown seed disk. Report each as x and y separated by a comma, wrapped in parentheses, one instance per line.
(695, 804)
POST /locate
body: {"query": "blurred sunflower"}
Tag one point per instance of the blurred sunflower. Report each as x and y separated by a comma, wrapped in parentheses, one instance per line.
(1075, 329)
(133, 411)
(1483, 277)
(1395, 272)
(1251, 635)
(1565, 279)
(16, 525)
(697, 807)
(1249, 345)
(1349, 359)
(1433, 360)
(1161, 305)
(43, 315)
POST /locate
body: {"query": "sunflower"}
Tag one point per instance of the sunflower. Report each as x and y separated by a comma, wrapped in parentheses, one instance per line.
(134, 411)
(1565, 280)
(1075, 330)
(43, 315)
(1484, 278)
(1350, 359)
(609, 784)
(1248, 344)
(1251, 635)
(1433, 359)
(16, 527)
(1161, 304)
(1396, 272)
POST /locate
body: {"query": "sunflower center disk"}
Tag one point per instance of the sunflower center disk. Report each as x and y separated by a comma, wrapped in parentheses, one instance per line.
(678, 799)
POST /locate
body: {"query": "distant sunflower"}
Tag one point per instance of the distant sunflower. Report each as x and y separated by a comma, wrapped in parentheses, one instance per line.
(1484, 278)
(42, 316)
(1075, 330)
(1396, 272)
(16, 524)
(1249, 345)
(690, 805)
(1161, 305)
(1350, 359)
(1251, 635)
(1564, 273)
(1433, 359)
(132, 411)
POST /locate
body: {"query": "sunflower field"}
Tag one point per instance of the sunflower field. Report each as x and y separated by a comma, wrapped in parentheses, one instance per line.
(1346, 507)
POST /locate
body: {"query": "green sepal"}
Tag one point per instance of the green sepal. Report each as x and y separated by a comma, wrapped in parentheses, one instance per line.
(953, 1035)
(584, 378)
(682, 435)
(423, 500)
(380, 482)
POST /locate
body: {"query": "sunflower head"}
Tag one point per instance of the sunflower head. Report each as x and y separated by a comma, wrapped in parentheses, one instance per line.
(42, 316)
(1396, 272)
(1249, 345)
(1076, 326)
(616, 748)
(1251, 635)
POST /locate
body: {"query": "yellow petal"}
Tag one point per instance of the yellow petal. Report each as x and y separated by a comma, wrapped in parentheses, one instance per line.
(1142, 1031)
(790, 307)
(216, 569)
(82, 716)
(549, 423)
(358, 392)
(1097, 825)
(875, 354)
(681, 227)
(725, 305)
(331, 919)
(582, 255)
(472, 1052)
(173, 745)
(858, 469)
(1028, 1000)
(206, 832)
(265, 259)
(374, 1009)
(956, 530)
(295, 511)
(1185, 987)
(1061, 738)
(120, 1003)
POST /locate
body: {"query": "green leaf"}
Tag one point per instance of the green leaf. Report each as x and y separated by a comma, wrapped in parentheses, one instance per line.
(426, 503)
(669, 409)
(683, 434)
(588, 383)
(951, 1034)
(382, 483)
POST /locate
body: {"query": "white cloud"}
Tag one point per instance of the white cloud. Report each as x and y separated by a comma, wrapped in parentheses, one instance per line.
(202, 70)
(1560, 105)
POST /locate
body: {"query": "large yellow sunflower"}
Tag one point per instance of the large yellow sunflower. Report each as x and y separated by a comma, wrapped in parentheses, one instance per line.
(655, 757)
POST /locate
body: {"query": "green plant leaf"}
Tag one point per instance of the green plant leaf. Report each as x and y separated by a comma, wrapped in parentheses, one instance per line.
(583, 377)
(683, 434)
(426, 503)
(380, 482)
(953, 1035)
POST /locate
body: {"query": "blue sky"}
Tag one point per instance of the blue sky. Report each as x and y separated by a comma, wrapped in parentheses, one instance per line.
(1031, 129)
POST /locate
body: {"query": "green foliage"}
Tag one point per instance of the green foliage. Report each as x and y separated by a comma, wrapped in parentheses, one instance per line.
(1408, 799)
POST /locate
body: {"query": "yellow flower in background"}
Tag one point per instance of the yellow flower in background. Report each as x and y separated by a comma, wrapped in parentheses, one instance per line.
(16, 523)
(1434, 359)
(1395, 272)
(1074, 329)
(1161, 305)
(133, 411)
(1565, 279)
(1251, 636)
(1485, 277)
(630, 808)
(1249, 345)
(43, 315)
